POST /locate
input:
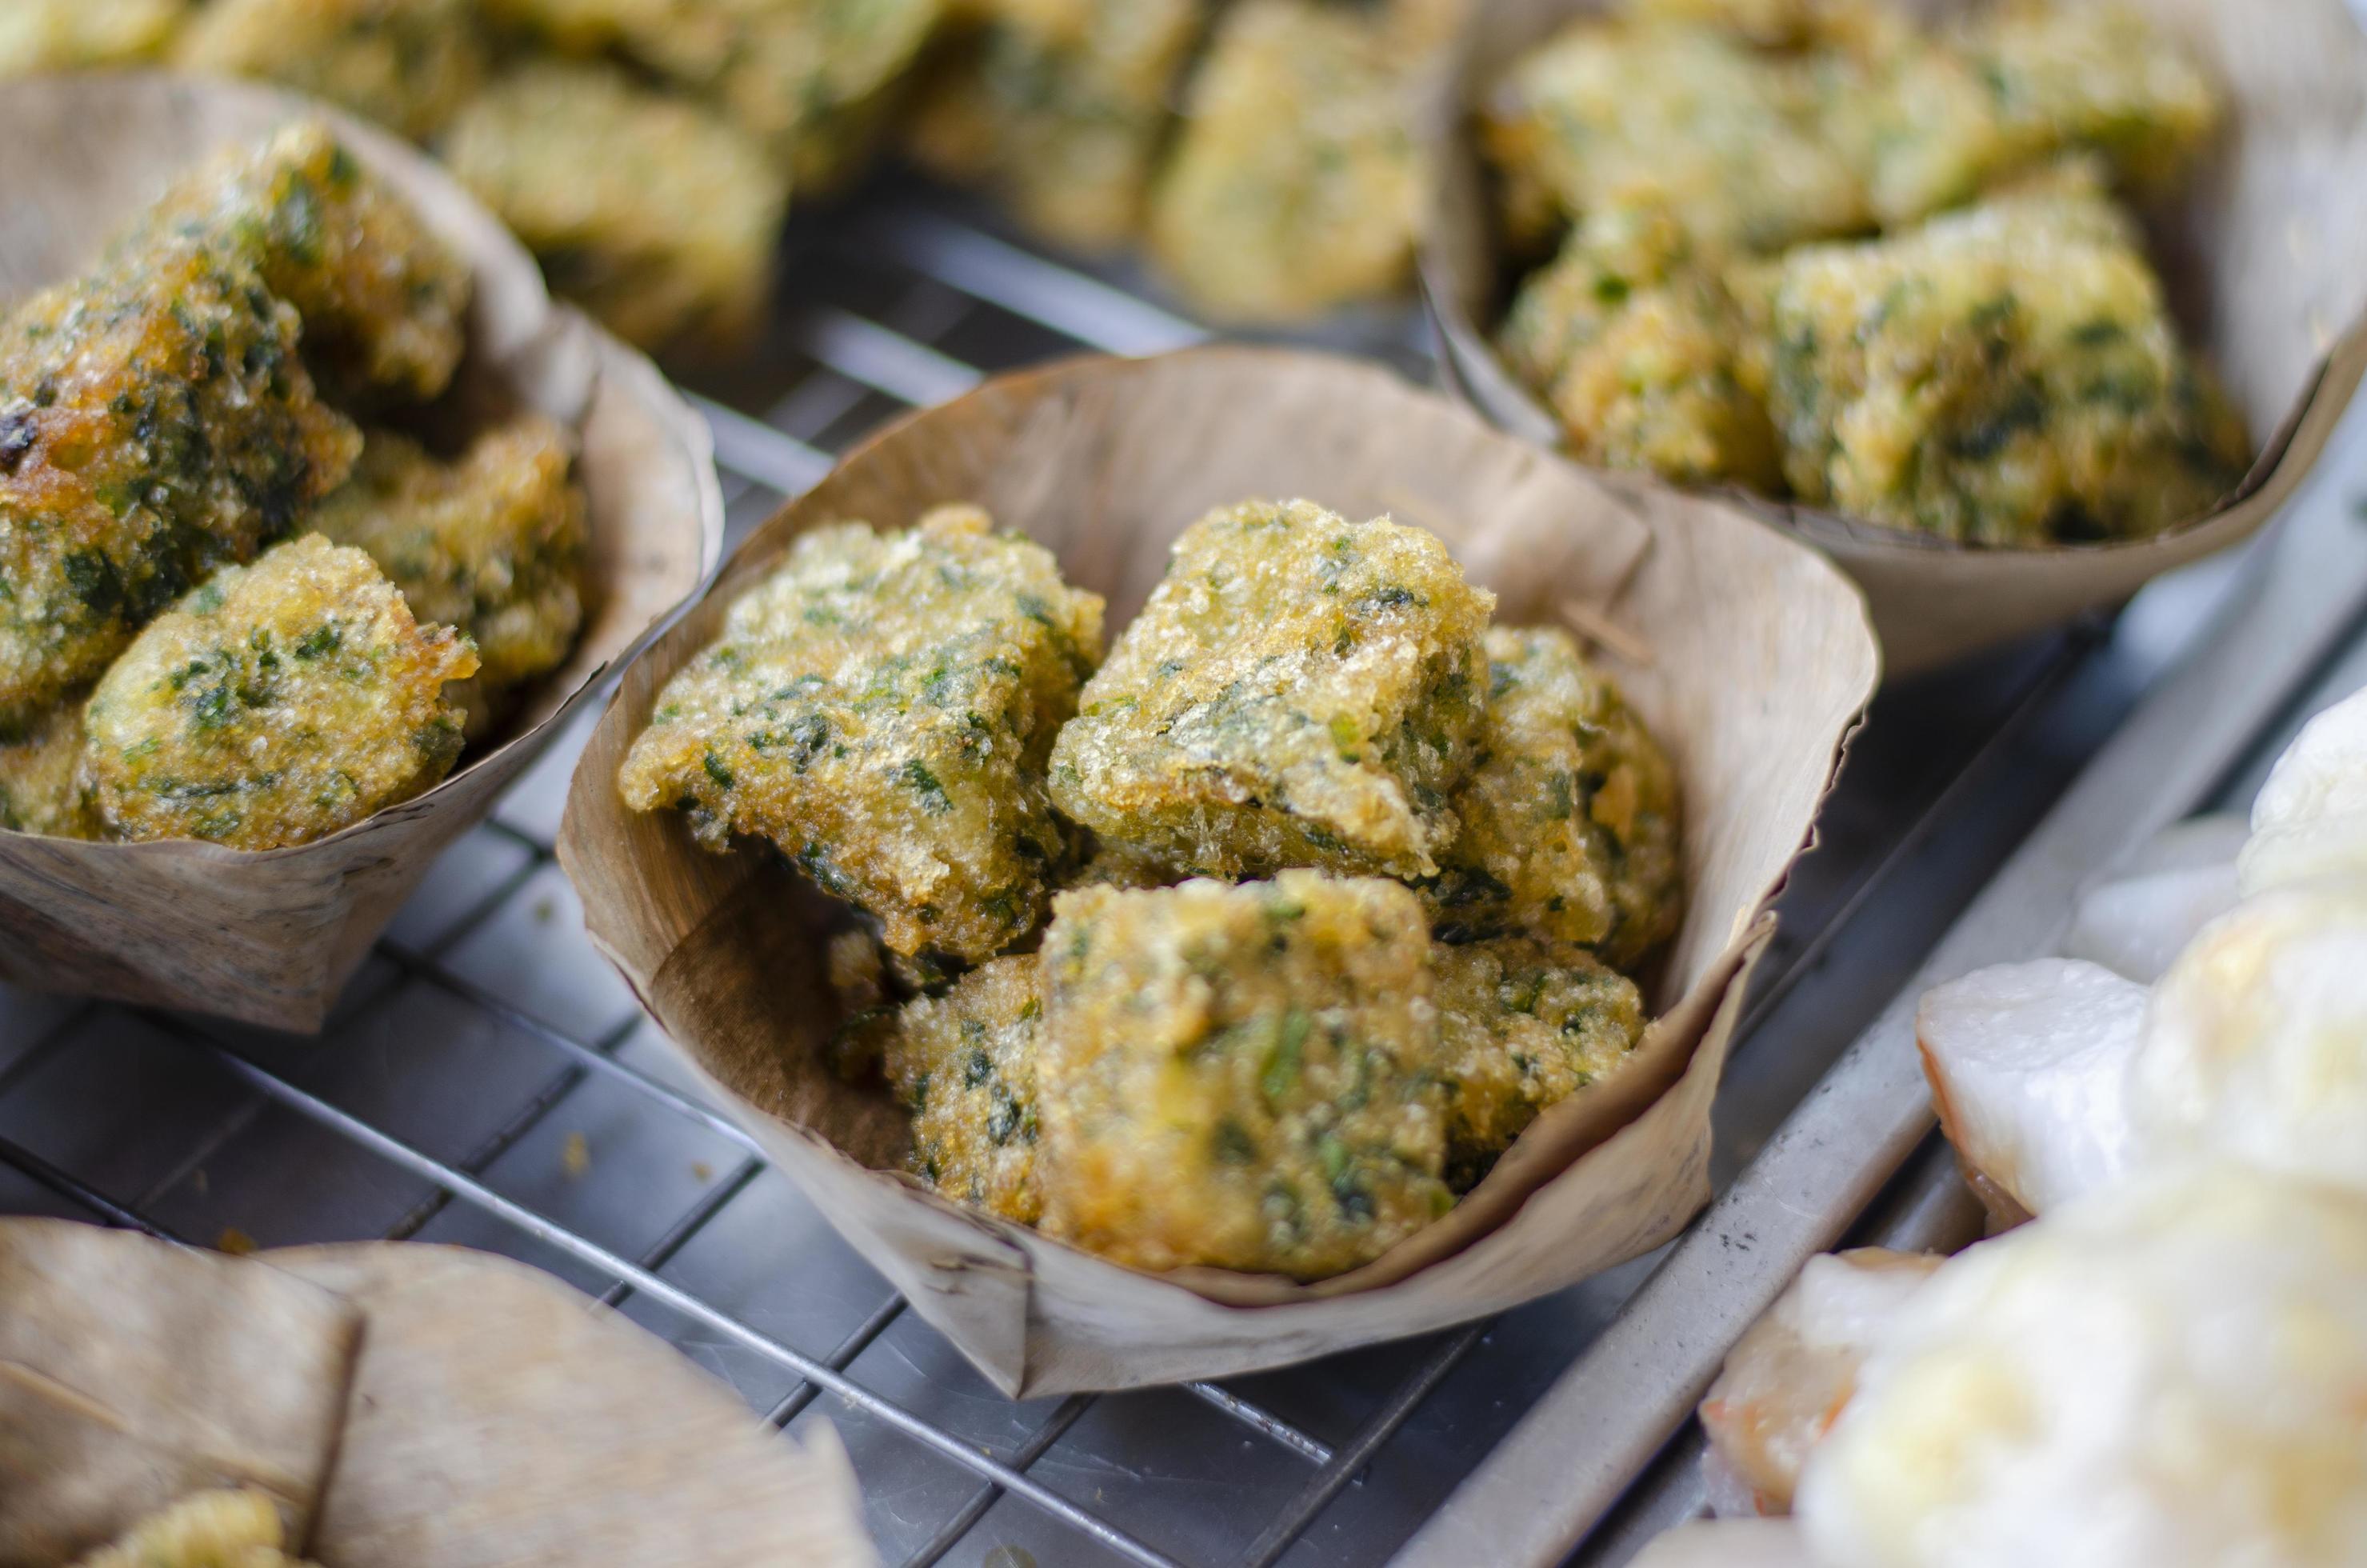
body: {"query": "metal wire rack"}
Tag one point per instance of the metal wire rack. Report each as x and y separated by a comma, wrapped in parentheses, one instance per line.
(487, 1081)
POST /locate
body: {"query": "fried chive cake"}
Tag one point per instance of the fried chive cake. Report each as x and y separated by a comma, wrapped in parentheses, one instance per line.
(1243, 1077)
(1569, 816)
(276, 704)
(808, 79)
(879, 707)
(1639, 352)
(490, 541)
(1299, 690)
(407, 65)
(1840, 254)
(964, 1065)
(2010, 88)
(656, 214)
(2006, 374)
(159, 417)
(1524, 1024)
(156, 422)
(1298, 176)
(1619, 113)
(76, 35)
(226, 1529)
(41, 777)
(384, 302)
(1060, 109)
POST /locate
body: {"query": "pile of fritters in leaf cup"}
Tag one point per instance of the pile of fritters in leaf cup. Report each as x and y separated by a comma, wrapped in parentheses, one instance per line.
(2262, 244)
(270, 936)
(1746, 655)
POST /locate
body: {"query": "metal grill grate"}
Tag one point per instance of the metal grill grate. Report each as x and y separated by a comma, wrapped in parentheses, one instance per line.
(487, 1081)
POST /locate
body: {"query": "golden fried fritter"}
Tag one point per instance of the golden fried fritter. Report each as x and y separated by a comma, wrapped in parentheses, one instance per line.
(207, 1530)
(1660, 391)
(1636, 349)
(1060, 110)
(879, 707)
(384, 301)
(1115, 866)
(1243, 1077)
(1751, 283)
(491, 543)
(1299, 690)
(808, 78)
(2004, 375)
(156, 419)
(1298, 177)
(156, 422)
(2018, 83)
(1865, 27)
(1729, 142)
(857, 970)
(409, 64)
(1609, 256)
(964, 1064)
(280, 703)
(1522, 1024)
(656, 215)
(1569, 816)
(41, 789)
(68, 35)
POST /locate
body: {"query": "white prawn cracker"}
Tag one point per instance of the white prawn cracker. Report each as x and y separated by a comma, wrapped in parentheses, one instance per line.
(2168, 1374)
(2310, 817)
(1789, 1378)
(2028, 1064)
(2256, 1041)
(2136, 919)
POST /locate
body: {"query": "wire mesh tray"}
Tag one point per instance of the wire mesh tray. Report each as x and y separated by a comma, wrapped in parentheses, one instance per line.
(488, 1081)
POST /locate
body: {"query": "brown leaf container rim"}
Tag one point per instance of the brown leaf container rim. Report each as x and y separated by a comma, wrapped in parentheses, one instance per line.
(2265, 252)
(400, 1404)
(269, 937)
(1748, 654)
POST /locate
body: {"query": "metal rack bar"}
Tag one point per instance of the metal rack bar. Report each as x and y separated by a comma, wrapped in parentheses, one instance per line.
(678, 1235)
(759, 454)
(1002, 274)
(840, 1358)
(884, 360)
(965, 1519)
(1264, 1421)
(1341, 1467)
(68, 1185)
(591, 1058)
